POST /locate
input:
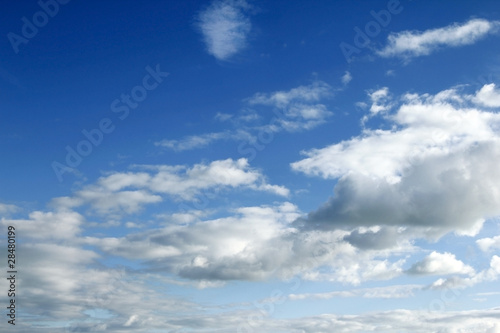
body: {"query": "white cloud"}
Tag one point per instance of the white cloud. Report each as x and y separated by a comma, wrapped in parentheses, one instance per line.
(185, 217)
(487, 244)
(62, 285)
(440, 153)
(7, 208)
(62, 225)
(127, 192)
(299, 107)
(298, 117)
(218, 174)
(440, 264)
(488, 95)
(346, 78)
(490, 274)
(133, 225)
(223, 116)
(199, 141)
(225, 27)
(194, 141)
(379, 99)
(254, 243)
(302, 94)
(249, 245)
(106, 202)
(276, 189)
(415, 43)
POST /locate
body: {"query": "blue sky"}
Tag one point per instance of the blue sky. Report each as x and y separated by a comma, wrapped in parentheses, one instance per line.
(251, 166)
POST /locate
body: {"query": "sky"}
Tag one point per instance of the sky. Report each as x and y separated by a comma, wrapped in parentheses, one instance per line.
(242, 166)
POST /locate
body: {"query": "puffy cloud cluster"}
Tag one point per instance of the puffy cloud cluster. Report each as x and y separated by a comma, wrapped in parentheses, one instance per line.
(440, 264)
(489, 243)
(490, 274)
(434, 171)
(128, 192)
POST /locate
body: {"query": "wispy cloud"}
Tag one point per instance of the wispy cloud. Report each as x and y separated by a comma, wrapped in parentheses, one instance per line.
(394, 291)
(225, 27)
(223, 116)
(7, 208)
(199, 141)
(295, 110)
(409, 44)
(310, 93)
(192, 141)
(346, 78)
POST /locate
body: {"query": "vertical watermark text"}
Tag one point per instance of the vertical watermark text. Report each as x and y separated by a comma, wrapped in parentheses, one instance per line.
(11, 275)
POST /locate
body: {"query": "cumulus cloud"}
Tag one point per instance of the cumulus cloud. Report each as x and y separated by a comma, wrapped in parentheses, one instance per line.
(415, 43)
(62, 225)
(435, 170)
(239, 246)
(218, 174)
(487, 244)
(379, 99)
(225, 26)
(488, 95)
(441, 153)
(489, 274)
(253, 243)
(440, 264)
(127, 192)
(65, 288)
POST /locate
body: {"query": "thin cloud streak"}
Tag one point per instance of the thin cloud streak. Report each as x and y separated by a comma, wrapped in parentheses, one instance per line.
(409, 44)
